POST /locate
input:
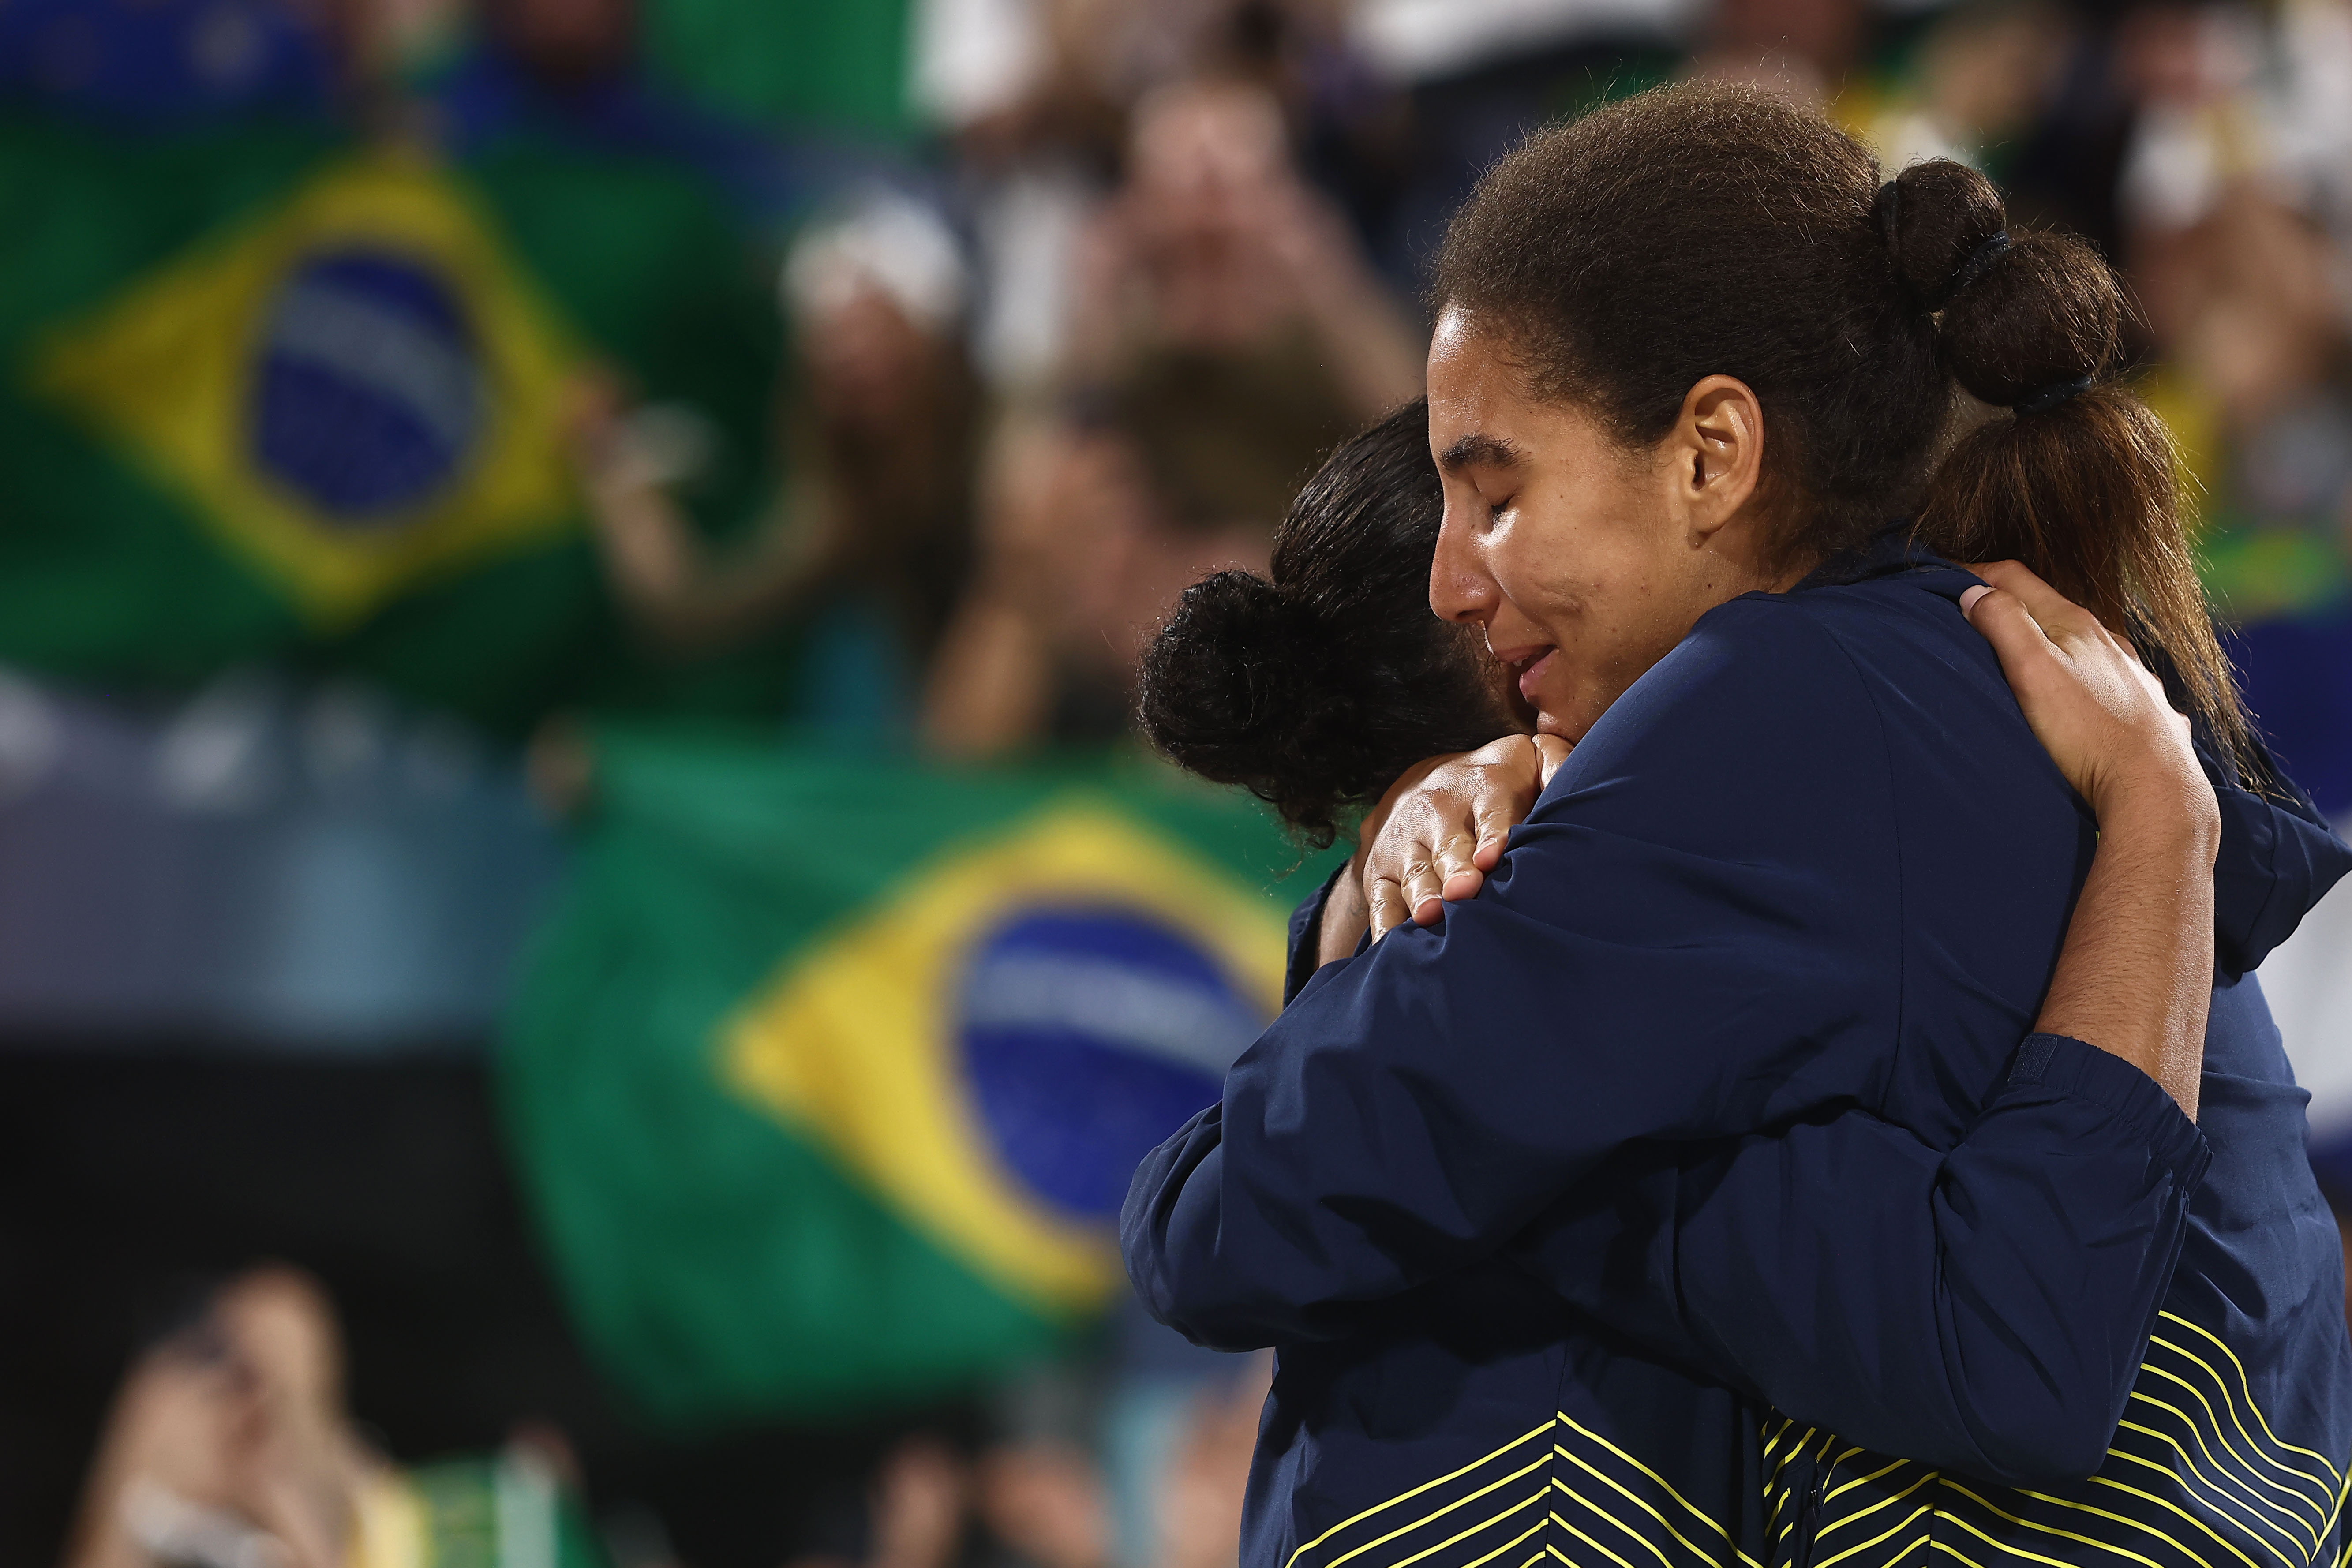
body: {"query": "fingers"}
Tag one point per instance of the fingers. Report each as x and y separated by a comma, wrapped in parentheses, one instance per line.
(1424, 894)
(1444, 826)
(1554, 751)
(1459, 875)
(2057, 615)
(1388, 906)
(1511, 773)
(1492, 819)
(2001, 619)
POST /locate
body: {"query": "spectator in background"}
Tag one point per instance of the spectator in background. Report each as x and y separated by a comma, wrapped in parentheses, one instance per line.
(2245, 308)
(227, 1442)
(869, 536)
(1806, 48)
(1984, 73)
(1227, 332)
(229, 1445)
(2230, 183)
(1225, 311)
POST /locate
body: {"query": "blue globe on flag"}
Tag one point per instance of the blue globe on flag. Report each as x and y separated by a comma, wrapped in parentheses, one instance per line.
(1090, 1034)
(368, 397)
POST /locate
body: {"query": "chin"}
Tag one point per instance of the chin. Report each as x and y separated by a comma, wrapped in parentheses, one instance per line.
(1520, 713)
(1551, 724)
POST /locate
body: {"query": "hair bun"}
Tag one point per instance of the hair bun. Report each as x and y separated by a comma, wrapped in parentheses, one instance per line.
(1936, 216)
(2019, 319)
(1227, 684)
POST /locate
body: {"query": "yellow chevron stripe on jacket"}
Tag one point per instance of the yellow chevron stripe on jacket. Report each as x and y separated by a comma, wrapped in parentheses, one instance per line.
(1562, 1492)
(2197, 1477)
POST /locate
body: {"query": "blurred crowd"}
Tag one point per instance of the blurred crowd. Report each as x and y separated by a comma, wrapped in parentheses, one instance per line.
(1071, 341)
(1163, 256)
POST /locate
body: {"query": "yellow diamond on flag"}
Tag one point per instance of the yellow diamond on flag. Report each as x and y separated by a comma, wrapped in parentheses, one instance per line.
(357, 389)
(995, 1047)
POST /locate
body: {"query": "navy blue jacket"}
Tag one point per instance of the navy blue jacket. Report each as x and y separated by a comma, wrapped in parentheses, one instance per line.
(1712, 1107)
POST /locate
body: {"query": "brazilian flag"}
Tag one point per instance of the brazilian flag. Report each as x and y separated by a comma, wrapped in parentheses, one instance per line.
(828, 1074)
(267, 394)
(504, 1512)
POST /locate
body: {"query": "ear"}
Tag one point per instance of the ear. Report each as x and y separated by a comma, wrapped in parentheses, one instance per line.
(1717, 449)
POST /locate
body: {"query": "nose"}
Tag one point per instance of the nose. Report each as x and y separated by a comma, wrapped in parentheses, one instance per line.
(1460, 587)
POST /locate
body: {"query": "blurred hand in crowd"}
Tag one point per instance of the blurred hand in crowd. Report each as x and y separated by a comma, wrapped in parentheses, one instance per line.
(876, 439)
(1046, 1501)
(228, 1441)
(1201, 1511)
(1215, 243)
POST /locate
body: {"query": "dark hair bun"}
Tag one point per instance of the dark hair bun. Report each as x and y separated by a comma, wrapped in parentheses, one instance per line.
(1231, 674)
(2082, 484)
(2021, 313)
(1317, 689)
(1935, 215)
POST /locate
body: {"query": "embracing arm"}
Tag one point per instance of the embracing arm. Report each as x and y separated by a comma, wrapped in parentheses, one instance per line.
(1652, 963)
(2135, 975)
(1984, 1309)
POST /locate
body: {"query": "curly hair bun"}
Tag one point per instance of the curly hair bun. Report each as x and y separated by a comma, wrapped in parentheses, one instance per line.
(1228, 682)
(1317, 689)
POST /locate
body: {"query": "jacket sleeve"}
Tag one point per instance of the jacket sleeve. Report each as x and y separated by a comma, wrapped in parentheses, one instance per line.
(1659, 956)
(1984, 1310)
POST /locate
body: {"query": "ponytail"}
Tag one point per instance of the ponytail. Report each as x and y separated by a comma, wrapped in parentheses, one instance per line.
(2078, 478)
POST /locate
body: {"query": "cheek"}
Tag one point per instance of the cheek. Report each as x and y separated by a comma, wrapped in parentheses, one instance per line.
(1548, 568)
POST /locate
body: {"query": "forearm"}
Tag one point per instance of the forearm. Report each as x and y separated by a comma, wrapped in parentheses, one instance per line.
(1370, 346)
(675, 588)
(991, 681)
(650, 556)
(2137, 974)
(1984, 1309)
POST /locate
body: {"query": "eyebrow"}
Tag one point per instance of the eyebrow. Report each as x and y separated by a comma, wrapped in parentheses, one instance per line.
(1481, 451)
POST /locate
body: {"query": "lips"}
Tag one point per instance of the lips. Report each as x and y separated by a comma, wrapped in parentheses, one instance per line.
(1530, 674)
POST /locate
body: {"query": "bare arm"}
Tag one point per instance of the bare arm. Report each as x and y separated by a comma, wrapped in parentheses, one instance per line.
(659, 570)
(992, 682)
(1371, 347)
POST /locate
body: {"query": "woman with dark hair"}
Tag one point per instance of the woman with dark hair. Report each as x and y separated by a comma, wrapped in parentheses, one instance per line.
(1806, 875)
(1319, 685)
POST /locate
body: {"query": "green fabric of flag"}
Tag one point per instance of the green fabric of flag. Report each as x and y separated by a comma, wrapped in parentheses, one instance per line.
(794, 63)
(266, 393)
(827, 1076)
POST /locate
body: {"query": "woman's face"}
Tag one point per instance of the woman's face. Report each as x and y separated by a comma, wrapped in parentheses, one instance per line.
(1584, 563)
